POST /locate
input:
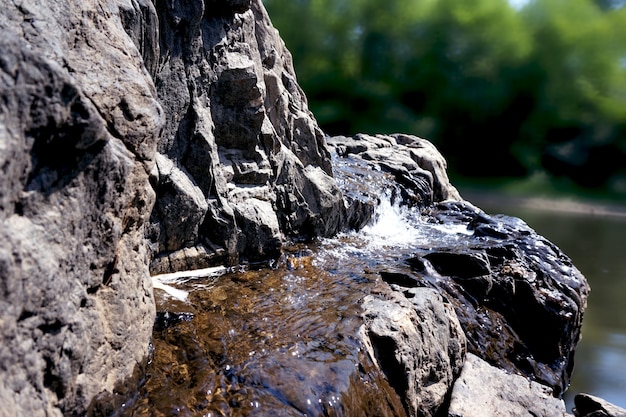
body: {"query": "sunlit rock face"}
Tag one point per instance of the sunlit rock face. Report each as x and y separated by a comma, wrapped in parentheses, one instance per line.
(79, 125)
(242, 163)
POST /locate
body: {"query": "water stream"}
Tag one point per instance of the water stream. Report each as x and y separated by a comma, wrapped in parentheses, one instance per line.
(285, 338)
(280, 339)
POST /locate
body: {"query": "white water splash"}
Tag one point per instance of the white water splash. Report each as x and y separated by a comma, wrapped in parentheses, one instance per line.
(393, 226)
(171, 291)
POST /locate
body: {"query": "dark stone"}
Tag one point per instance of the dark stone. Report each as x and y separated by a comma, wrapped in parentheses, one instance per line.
(166, 319)
(518, 297)
(589, 406)
(461, 265)
(227, 6)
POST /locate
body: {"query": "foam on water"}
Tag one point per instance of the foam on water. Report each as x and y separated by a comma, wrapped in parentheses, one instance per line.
(393, 226)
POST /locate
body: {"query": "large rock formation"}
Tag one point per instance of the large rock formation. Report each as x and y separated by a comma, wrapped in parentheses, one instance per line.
(517, 298)
(79, 124)
(242, 164)
(103, 107)
(140, 135)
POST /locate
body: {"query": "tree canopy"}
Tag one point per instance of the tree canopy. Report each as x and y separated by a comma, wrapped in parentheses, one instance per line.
(501, 91)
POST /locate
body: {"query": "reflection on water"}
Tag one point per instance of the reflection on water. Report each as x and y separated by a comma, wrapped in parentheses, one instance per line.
(278, 341)
(596, 246)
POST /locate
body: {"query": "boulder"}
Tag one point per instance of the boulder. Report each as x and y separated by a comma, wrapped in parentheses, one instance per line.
(109, 109)
(591, 406)
(484, 390)
(519, 299)
(415, 339)
(79, 125)
(415, 164)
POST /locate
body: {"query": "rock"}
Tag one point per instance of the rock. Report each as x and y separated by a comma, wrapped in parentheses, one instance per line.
(519, 299)
(79, 124)
(484, 390)
(182, 202)
(416, 340)
(414, 162)
(238, 128)
(590, 406)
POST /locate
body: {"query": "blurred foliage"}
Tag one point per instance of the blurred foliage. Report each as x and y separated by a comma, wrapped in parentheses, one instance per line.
(501, 91)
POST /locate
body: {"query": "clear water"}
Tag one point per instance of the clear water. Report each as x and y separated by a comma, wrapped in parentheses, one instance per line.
(283, 339)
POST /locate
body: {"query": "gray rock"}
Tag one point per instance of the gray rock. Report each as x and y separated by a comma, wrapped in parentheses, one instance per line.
(591, 406)
(416, 340)
(414, 162)
(484, 391)
(79, 123)
(238, 127)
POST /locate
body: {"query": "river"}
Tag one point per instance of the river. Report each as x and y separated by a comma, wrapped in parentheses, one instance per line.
(595, 243)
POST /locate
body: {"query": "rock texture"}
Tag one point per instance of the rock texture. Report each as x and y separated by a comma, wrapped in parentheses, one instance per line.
(416, 166)
(484, 390)
(519, 299)
(242, 164)
(79, 124)
(417, 342)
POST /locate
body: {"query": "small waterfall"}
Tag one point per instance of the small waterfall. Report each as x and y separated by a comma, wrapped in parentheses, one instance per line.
(393, 225)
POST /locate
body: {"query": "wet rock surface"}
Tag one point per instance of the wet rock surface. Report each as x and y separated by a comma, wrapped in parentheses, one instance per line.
(450, 312)
(519, 299)
(418, 169)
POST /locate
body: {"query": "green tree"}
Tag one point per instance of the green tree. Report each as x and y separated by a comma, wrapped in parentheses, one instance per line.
(578, 121)
(500, 91)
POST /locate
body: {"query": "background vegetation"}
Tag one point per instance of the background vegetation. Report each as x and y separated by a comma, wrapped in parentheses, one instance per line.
(531, 92)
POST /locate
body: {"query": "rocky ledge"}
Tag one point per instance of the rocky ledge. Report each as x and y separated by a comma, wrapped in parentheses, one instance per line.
(510, 304)
(142, 137)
